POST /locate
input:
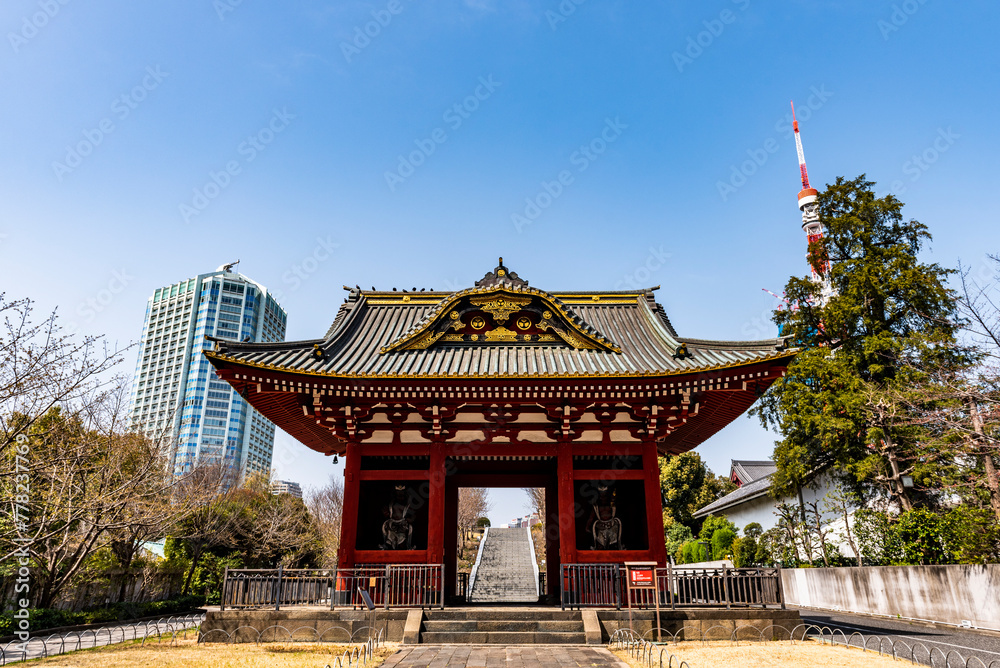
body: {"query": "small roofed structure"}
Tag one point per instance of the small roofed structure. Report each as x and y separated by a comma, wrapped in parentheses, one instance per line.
(501, 385)
(746, 471)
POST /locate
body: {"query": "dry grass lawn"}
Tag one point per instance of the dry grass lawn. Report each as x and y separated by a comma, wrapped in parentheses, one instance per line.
(188, 654)
(781, 654)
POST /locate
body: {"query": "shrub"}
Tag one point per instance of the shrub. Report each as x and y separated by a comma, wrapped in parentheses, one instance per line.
(722, 542)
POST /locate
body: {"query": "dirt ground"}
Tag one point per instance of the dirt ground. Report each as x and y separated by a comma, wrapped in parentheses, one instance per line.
(189, 654)
(782, 654)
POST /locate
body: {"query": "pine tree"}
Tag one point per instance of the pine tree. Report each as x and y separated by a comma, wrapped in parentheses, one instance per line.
(891, 315)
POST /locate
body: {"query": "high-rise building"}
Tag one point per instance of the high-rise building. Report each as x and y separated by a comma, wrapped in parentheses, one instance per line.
(286, 487)
(176, 396)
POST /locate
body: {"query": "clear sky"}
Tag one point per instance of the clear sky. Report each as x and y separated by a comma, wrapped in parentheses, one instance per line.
(409, 143)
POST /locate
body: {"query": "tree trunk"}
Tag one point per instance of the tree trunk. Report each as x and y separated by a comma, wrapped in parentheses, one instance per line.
(992, 476)
(195, 558)
(900, 491)
(125, 573)
(806, 539)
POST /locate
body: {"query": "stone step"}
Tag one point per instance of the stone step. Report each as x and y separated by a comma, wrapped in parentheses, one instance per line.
(503, 638)
(503, 614)
(493, 625)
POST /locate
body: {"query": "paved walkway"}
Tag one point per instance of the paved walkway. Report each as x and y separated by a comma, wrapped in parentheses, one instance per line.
(516, 656)
(45, 644)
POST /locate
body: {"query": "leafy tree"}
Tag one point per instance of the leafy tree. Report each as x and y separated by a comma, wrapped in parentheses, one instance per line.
(687, 484)
(889, 310)
(745, 549)
(677, 535)
(722, 543)
(712, 524)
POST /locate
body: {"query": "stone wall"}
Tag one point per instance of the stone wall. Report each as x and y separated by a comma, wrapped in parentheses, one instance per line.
(301, 624)
(946, 594)
(705, 623)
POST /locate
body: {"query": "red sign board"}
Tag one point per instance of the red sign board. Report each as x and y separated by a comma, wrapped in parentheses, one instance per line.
(642, 577)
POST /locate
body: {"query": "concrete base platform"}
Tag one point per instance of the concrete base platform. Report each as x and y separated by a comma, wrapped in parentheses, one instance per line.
(482, 625)
(301, 624)
(699, 623)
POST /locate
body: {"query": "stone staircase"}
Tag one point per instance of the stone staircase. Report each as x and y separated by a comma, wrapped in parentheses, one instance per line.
(505, 570)
(512, 626)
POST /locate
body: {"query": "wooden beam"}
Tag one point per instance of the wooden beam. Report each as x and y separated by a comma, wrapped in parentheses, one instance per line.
(393, 474)
(608, 474)
(500, 479)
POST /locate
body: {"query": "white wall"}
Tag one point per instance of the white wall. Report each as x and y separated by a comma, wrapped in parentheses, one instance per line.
(945, 594)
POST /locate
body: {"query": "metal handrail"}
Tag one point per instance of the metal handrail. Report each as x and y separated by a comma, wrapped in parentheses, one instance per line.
(603, 586)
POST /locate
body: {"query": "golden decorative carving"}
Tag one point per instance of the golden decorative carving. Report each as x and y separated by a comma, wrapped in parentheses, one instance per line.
(501, 272)
(478, 323)
(502, 303)
(474, 337)
(454, 337)
(501, 334)
(548, 337)
(425, 341)
(453, 315)
(523, 323)
(500, 307)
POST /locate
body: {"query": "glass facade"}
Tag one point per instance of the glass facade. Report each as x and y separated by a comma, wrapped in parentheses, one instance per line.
(176, 396)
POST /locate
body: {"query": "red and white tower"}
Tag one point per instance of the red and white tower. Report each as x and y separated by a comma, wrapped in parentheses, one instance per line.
(811, 223)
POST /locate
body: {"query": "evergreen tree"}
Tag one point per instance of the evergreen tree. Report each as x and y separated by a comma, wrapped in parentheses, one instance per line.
(891, 315)
(686, 485)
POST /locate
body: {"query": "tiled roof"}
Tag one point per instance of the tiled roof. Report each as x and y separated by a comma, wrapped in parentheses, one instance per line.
(370, 321)
(745, 493)
(747, 471)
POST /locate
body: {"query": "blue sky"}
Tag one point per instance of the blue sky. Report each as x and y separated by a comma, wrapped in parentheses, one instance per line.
(143, 143)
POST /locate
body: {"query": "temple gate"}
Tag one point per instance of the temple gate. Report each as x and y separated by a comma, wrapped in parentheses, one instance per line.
(501, 385)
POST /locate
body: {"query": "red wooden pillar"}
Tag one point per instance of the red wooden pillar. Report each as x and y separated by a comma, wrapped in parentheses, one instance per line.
(567, 505)
(436, 505)
(349, 517)
(551, 523)
(654, 503)
(450, 538)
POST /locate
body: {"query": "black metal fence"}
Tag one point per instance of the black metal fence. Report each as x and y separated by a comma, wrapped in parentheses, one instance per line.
(388, 586)
(604, 586)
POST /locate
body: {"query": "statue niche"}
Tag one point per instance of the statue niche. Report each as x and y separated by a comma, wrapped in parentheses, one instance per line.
(603, 525)
(397, 530)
